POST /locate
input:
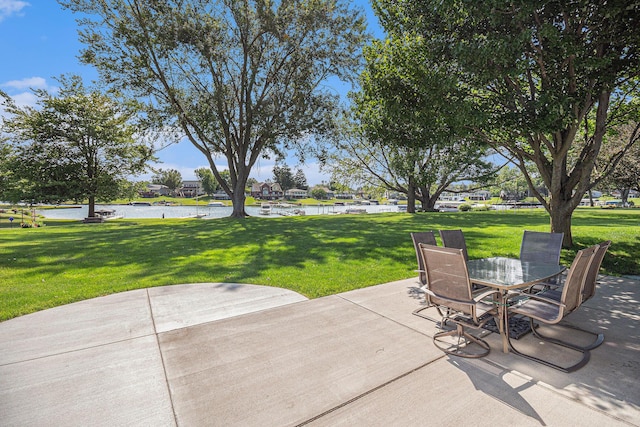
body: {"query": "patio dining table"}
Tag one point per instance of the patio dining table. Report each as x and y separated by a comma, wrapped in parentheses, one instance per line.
(507, 274)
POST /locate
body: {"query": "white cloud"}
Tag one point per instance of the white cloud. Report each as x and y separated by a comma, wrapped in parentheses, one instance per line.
(25, 99)
(11, 7)
(17, 89)
(27, 83)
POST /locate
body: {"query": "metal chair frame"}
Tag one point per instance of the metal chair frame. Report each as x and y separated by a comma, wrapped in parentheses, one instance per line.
(448, 287)
(427, 238)
(589, 289)
(551, 310)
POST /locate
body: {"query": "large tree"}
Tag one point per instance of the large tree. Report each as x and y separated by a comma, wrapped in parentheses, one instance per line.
(407, 137)
(300, 180)
(172, 178)
(548, 74)
(208, 181)
(626, 173)
(282, 175)
(74, 145)
(421, 173)
(241, 78)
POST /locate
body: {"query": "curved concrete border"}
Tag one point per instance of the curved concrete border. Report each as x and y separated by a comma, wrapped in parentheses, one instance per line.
(131, 314)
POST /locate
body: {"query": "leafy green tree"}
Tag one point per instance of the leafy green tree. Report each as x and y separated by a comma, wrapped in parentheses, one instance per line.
(421, 173)
(172, 178)
(300, 180)
(545, 75)
(283, 176)
(207, 180)
(12, 187)
(76, 145)
(626, 174)
(338, 186)
(132, 189)
(318, 193)
(409, 137)
(510, 183)
(241, 78)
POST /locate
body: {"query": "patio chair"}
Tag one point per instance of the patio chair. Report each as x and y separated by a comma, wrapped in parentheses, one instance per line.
(588, 290)
(427, 238)
(449, 288)
(539, 246)
(551, 311)
(454, 239)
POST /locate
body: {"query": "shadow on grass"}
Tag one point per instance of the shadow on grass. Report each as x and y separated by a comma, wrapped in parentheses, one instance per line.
(314, 255)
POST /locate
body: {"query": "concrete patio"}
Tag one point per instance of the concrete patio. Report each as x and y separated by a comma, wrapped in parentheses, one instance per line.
(245, 355)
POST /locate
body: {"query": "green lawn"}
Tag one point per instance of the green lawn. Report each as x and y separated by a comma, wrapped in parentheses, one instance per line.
(316, 255)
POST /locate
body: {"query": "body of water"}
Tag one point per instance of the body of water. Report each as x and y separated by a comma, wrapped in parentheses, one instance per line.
(129, 211)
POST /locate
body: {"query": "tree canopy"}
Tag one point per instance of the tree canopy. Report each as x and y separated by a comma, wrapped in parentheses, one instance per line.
(626, 175)
(75, 145)
(282, 175)
(172, 178)
(300, 180)
(208, 181)
(409, 125)
(548, 78)
(241, 78)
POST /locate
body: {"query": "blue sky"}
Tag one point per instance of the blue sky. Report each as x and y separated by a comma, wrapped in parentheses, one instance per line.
(38, 41)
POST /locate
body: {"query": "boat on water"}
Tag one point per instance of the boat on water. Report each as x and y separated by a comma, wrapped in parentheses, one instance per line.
(196, 215)
(102, 215)
(355, 211)
(140, 203)
(107, 214)
(265, 209)
(216, 204)
(294, 212)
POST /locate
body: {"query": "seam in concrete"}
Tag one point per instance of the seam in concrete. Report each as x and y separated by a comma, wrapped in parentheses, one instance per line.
(383, 316)
(366, 393)
(378, 387)
(60, 353)
(164, 368)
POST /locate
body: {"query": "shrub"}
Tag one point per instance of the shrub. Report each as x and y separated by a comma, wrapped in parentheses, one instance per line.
(482, 208)
(464, 207)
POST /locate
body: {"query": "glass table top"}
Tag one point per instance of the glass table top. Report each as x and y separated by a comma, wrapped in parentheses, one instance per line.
(509, 273)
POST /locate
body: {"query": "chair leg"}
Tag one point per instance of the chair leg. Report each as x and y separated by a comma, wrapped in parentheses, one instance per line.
(443, 316)
(582, 362)
(599, 338)
(455, 350)
(417, 312)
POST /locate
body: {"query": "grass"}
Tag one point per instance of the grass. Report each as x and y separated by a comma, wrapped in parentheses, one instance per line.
(67, 261)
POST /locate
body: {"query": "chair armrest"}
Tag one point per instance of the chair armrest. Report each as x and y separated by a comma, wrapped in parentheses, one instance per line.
(480, 297)
(459, 301)
(514, 294)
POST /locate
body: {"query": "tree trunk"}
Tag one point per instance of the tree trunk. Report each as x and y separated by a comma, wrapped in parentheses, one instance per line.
(238, 198)
(624, 196)
(560, 214)
(411, 197)
(92, 206)
(428, 200)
